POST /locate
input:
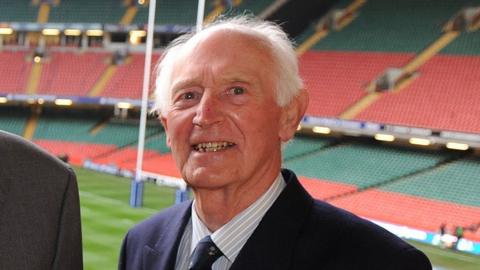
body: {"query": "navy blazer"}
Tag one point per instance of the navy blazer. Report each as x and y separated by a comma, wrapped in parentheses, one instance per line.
(297, 232)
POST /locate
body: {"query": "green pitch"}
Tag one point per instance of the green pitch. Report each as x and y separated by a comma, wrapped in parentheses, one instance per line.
(106, 217)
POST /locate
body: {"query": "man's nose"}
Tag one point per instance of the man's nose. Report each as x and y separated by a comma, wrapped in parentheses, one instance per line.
(208, 111)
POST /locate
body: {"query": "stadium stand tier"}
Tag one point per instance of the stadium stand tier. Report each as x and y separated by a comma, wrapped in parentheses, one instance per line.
(127, 81)
(15, 68)
(394, 26)
(88, 11)
(412, 211)
(180, 12)
(70, 73)
(363, 165)
(335, 80)
(444, 96)
(18, 11)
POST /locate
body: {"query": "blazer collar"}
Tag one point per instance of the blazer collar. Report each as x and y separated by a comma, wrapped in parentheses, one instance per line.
(164, 253)
(272, 243)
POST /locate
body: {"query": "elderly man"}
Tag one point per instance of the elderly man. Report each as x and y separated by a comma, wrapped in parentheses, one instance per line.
(39, 209)
(228, 97)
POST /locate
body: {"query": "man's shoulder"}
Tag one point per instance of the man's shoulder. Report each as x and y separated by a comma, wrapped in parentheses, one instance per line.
(25, 153)
(357, 238)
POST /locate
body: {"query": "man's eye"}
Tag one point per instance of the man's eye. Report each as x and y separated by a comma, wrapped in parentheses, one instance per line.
(237, 90)
(188, 95)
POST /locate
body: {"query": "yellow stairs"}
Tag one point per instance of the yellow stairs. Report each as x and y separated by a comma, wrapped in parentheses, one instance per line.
(409, 68)
(322, 32)
(43, 13)
(430, 51)
(31, 126)
(360, 105)
(129, 15)
(34, 78)
(103, 81)
(219, 9)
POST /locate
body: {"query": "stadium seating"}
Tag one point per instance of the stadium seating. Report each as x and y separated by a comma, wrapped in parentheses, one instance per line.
(63, 128)
(362, 165)
(445, 96)
(76, 151)
(254, 6)
(465, 44)
(15, 64)
(12, 120)
(299, 146)
(438, 185)
(69, 73)
(325, 189)
(382, 26)
(87, 11)
(336, 80)
(127, 82)
(412, 211)
(180, 12)
(18, 11)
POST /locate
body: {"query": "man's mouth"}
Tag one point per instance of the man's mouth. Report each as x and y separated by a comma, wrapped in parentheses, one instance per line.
(212, 146)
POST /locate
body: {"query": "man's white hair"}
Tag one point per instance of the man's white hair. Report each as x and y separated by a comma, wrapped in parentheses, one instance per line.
(282, 51)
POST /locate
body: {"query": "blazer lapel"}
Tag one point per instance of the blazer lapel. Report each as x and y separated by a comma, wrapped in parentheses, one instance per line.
(164, 253)
(272, 244)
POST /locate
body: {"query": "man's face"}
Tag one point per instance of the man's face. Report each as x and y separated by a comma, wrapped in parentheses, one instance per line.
(224, 124)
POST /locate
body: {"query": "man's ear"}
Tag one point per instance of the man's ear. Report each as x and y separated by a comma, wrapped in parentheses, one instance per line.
(163, 120)
(292, 114)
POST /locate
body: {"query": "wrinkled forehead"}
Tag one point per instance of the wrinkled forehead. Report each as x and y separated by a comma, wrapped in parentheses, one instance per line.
(218, 39)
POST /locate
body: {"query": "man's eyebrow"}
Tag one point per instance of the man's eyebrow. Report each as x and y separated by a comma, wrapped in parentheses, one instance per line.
(240, 79)
(178, 85)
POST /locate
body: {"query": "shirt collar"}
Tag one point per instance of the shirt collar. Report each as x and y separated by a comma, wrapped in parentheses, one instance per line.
(231, 237)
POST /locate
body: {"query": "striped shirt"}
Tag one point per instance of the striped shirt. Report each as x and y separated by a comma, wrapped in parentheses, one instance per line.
(231, 237)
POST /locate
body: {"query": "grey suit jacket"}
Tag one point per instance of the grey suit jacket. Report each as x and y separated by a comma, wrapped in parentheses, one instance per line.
(39, 209)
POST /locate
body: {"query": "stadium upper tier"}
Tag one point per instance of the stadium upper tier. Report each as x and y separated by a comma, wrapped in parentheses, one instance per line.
(178, 12)
(87, 11)
(15, 69)
(444, 96)
(18, 11)
(395, 26)
(336, 80)
(182, 12)
(72, 73)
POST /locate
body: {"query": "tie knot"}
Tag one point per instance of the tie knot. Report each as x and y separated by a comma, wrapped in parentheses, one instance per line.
(204, 255)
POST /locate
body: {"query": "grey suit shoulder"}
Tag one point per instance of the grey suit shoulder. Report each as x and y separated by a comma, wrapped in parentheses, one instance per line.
(39, 209)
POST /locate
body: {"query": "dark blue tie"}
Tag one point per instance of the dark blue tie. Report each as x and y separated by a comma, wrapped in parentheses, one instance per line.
(204, 255)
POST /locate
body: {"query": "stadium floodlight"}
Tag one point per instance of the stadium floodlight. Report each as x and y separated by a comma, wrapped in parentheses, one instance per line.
(50, 32)
(457, 146)
(124, 105)
(63, 102)
(419, 141)
(136, 36)
(95, 32)
(6, 31)
(72, 32)
(3, 100)
(384, 137)
(321, 130)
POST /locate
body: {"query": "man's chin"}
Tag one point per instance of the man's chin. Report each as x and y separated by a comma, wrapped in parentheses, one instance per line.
(207, 178)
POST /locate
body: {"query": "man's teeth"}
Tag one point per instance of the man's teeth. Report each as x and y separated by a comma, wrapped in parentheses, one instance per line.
(212, 146)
